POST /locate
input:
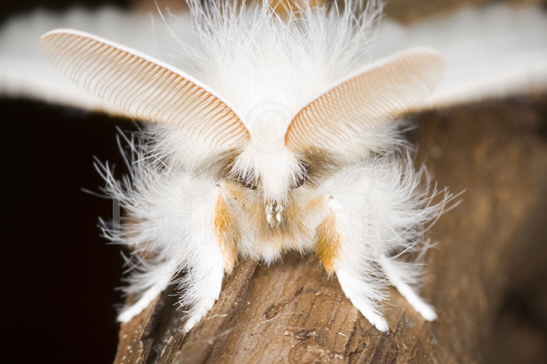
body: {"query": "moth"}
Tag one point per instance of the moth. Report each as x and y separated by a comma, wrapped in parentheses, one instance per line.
(271, 133)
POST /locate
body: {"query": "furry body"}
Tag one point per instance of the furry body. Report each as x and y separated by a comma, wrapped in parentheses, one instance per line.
(354, 221)
(195, 210)
(271, 134)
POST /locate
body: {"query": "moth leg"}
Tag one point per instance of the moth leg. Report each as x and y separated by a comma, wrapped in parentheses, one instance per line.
(162, 278)
(339, 254)
(357, 290)
(204, 281)
(395, 274)
(202, 288)
(225, 229)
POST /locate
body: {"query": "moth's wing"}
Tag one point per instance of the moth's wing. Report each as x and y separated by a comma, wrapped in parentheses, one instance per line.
(490, 52)
(373, 96)
(25, 73)
(145, 88)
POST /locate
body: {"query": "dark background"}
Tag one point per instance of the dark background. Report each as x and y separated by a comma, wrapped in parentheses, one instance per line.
(58, 276)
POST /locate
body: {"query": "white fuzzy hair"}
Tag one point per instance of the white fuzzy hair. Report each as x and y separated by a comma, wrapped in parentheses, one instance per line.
(268, 67)
(261, 63)
(381, 205)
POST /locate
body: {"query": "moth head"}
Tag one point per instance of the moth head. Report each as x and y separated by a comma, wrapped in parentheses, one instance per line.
(272, 175)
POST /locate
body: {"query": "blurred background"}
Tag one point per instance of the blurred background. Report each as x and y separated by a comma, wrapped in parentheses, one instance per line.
(58, 274)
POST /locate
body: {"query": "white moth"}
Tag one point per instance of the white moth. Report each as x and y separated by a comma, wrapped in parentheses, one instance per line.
(281, 134)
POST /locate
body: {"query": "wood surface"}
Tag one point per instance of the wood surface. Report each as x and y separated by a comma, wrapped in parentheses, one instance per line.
(292, 312)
